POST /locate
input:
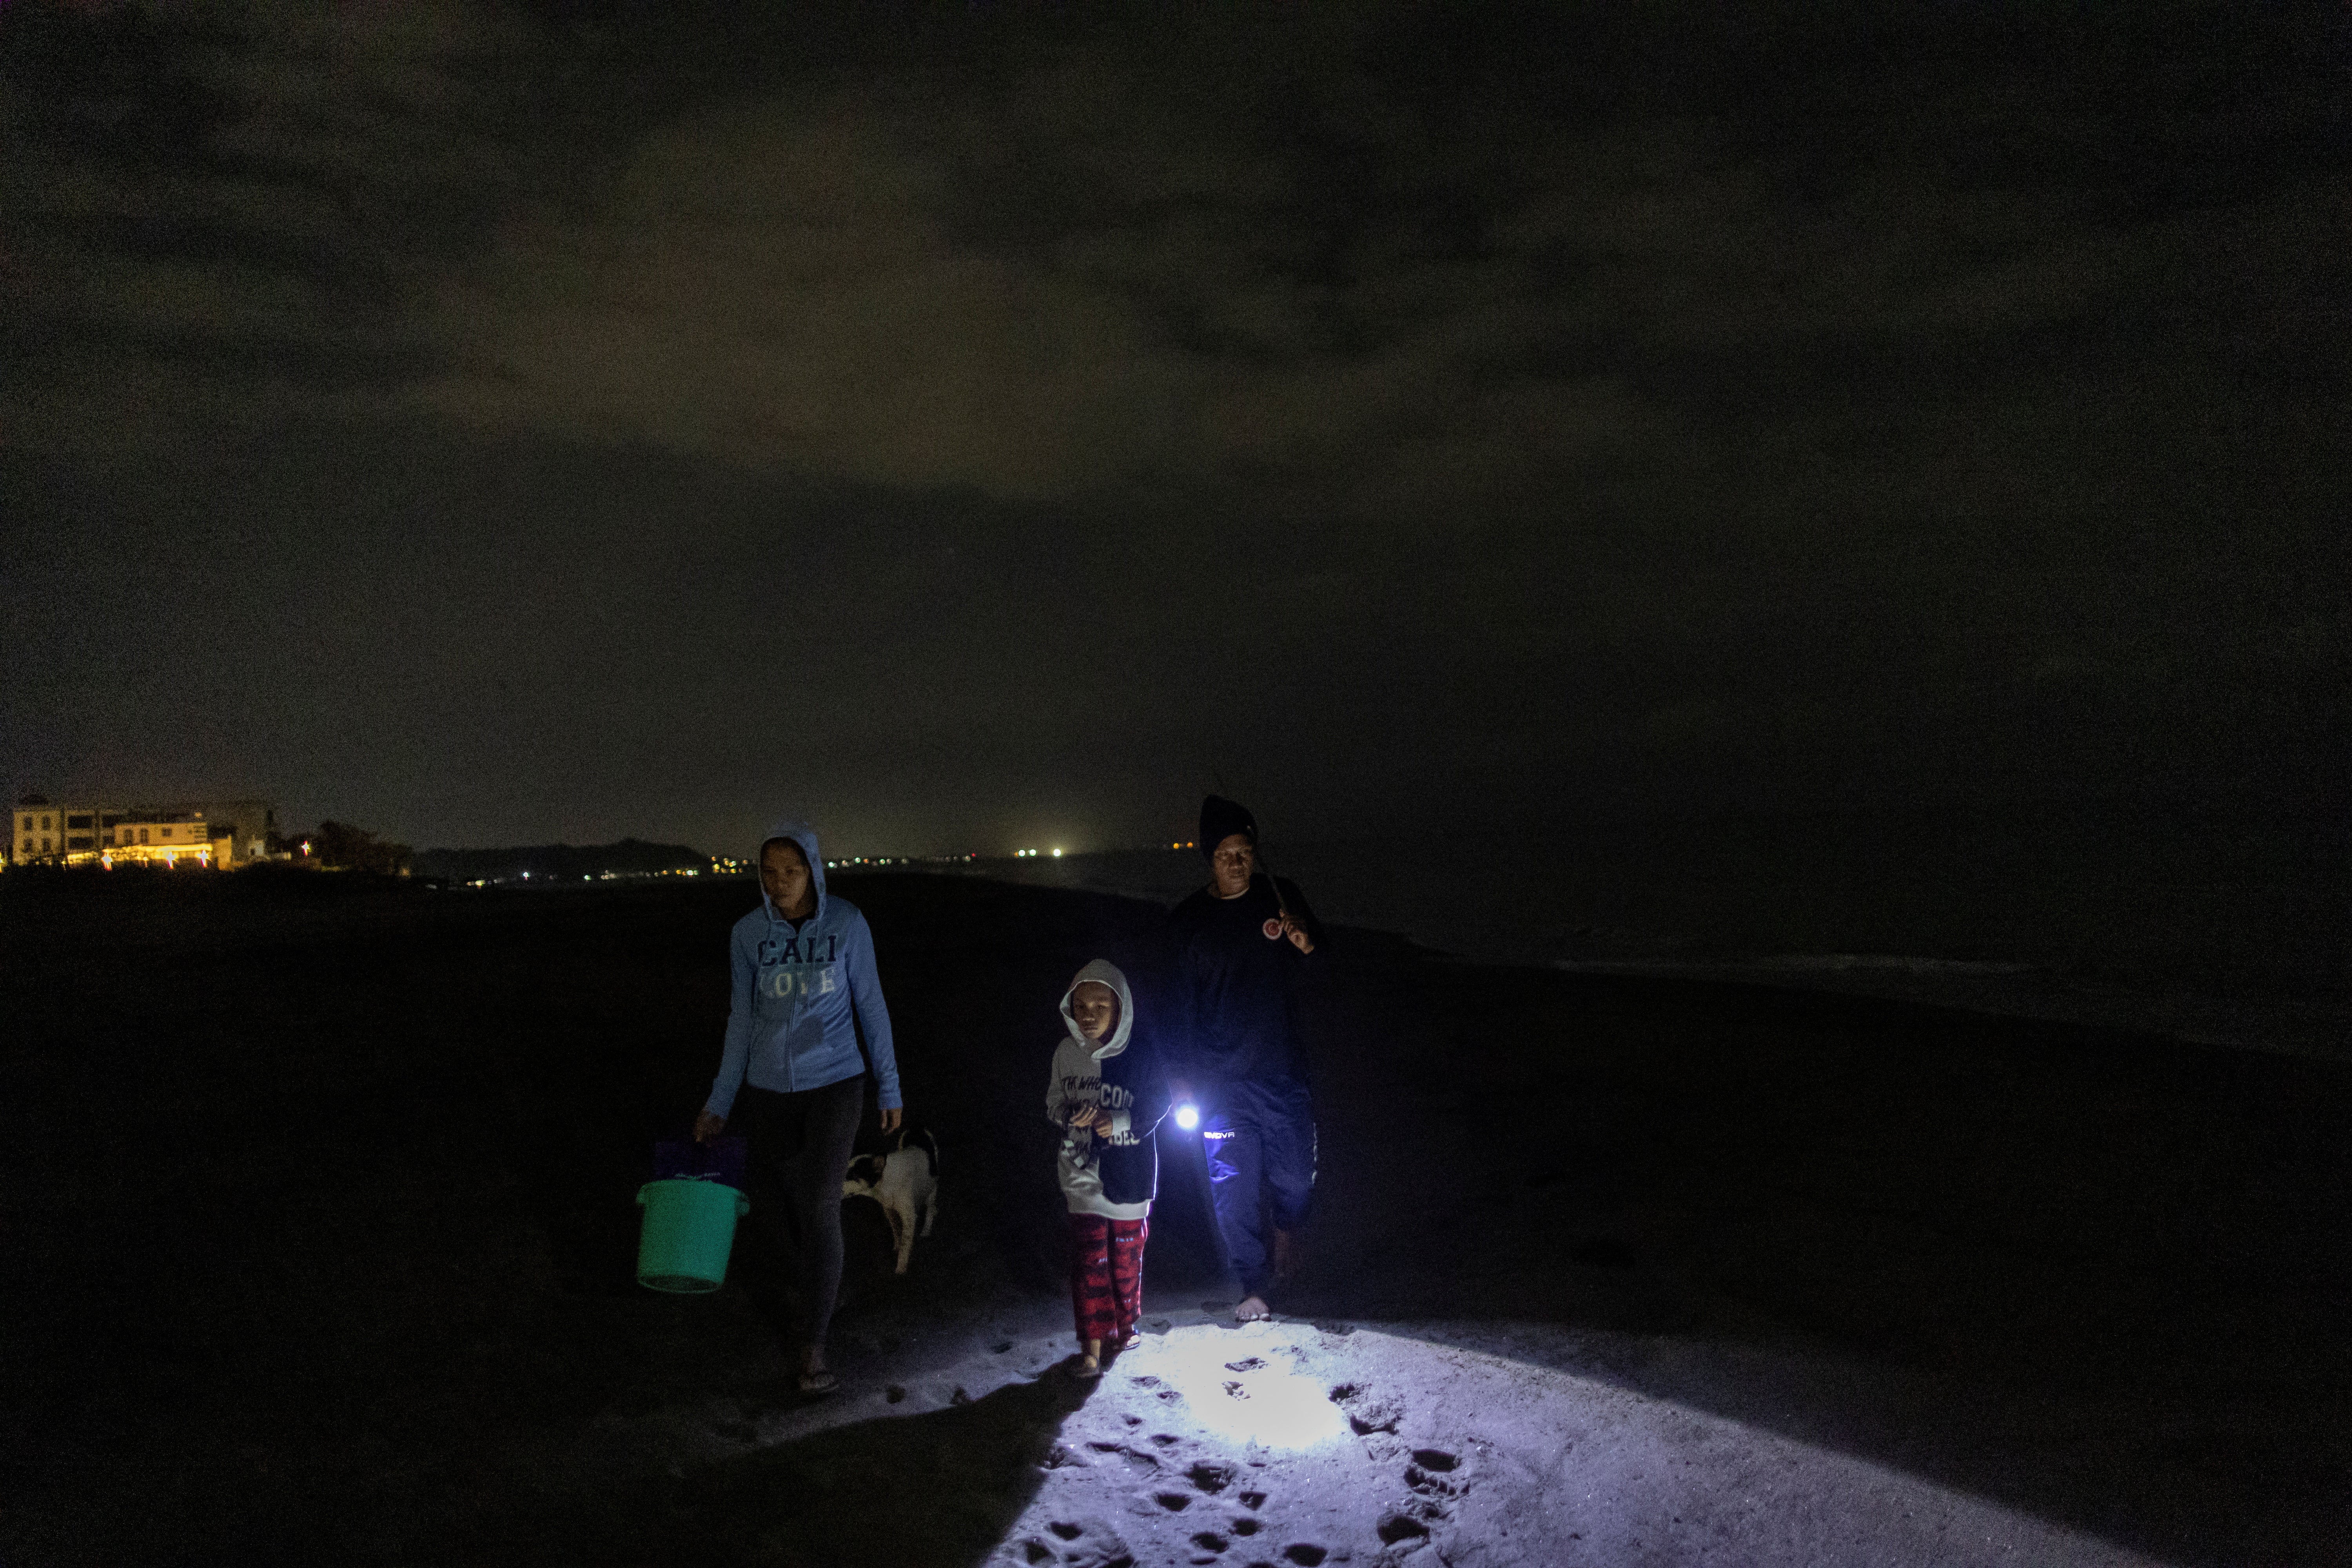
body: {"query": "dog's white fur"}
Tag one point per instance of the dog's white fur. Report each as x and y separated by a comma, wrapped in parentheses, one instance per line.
(905, 1183)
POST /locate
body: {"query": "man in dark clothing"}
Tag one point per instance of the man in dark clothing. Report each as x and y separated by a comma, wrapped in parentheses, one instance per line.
(1239, 944)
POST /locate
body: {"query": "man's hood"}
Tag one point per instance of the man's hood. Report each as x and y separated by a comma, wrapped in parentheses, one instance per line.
(1107, 974)
(801, 833)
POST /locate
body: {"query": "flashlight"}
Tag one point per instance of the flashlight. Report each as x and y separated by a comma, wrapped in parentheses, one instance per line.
(1188, 1117)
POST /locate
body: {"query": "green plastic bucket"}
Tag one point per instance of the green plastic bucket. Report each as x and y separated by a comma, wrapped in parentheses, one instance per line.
(689, 1229)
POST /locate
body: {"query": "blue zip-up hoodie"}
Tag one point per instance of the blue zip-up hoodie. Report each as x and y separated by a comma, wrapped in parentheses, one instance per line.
(794, 994)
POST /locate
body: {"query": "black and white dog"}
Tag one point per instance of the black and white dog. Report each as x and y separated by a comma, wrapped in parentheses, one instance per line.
(905, 1183)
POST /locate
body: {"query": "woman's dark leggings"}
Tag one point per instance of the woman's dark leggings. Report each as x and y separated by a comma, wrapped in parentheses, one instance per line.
(800, 1151)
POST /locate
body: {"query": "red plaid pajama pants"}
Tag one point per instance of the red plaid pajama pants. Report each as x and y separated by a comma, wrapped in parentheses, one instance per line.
(1106, 1274)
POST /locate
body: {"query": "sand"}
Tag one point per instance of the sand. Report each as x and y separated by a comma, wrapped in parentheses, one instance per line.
(317, 1204)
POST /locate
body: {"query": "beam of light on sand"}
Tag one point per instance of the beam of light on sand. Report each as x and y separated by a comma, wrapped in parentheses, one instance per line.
(1270, 1404)
(1512, 1443)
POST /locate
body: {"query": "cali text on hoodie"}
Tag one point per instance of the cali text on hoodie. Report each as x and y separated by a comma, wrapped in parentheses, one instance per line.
(800, 994)
(1115, 1173)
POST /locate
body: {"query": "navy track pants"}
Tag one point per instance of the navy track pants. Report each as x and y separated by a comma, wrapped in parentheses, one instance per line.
(1260, 1138)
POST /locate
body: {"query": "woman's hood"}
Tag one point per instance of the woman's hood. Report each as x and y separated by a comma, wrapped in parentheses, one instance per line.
(801, 833)
(1106, 975)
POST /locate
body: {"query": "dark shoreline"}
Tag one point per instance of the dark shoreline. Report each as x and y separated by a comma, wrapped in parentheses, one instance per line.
(320, 1204)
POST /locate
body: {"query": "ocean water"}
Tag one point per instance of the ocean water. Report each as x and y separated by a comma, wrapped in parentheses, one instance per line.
(2233, 930)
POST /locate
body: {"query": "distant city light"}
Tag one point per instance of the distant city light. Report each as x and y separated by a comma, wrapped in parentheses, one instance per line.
(1057, 854)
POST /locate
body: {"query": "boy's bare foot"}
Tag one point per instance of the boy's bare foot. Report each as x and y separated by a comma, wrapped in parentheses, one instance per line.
(1251, 1309)
(814, 1380)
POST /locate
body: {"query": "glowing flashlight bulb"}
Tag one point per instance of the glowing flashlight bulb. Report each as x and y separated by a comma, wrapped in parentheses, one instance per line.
(1188, 1117)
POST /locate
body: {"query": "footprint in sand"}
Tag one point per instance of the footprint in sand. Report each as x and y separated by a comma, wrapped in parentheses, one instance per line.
(1305, 1553)
(1085, 1543)
(1436, 1475)
(1395, 1528)
(1174, 1502)
(1253, 1500)
(1136, 1459)
(1248, 1363)
(1433, 1473)
(1210, 1478)
(1367, 1412)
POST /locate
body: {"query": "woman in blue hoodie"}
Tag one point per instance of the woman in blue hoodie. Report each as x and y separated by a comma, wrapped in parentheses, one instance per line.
(793, 1082)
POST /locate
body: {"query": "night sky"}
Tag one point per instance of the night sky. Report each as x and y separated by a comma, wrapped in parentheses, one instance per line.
(975, 427)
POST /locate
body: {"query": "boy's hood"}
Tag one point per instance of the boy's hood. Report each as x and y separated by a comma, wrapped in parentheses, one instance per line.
(801, 833)
(1107, 974)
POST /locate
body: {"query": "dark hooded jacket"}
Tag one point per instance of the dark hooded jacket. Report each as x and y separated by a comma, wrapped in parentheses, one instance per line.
(1236, 986)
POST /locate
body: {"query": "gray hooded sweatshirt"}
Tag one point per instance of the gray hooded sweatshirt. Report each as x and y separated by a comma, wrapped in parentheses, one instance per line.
(1115, 1175)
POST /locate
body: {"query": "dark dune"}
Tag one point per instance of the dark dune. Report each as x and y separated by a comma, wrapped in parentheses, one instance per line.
(317, 1196)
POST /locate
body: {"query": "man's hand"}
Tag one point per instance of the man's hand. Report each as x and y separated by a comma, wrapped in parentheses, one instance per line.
(1097, 1119)
(1296, 933)
(890, 1119)
(708, 1125)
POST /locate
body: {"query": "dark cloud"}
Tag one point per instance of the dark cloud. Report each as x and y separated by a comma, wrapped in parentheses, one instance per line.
(501, 422)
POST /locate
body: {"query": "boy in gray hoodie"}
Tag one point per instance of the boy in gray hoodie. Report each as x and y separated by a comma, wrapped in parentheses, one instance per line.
(1107, 1095)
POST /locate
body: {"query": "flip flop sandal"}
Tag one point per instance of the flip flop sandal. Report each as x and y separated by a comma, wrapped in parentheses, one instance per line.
(818, 1384)
(1083, 1371)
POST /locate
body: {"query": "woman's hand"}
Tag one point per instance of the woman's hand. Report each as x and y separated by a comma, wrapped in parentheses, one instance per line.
(708, 1125)
(1097, 1119)
(890, 1119)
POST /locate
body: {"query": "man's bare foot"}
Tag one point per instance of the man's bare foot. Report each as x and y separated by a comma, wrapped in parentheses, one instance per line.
(1251, 1309)
(1087, 1365)
(814, 1378)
